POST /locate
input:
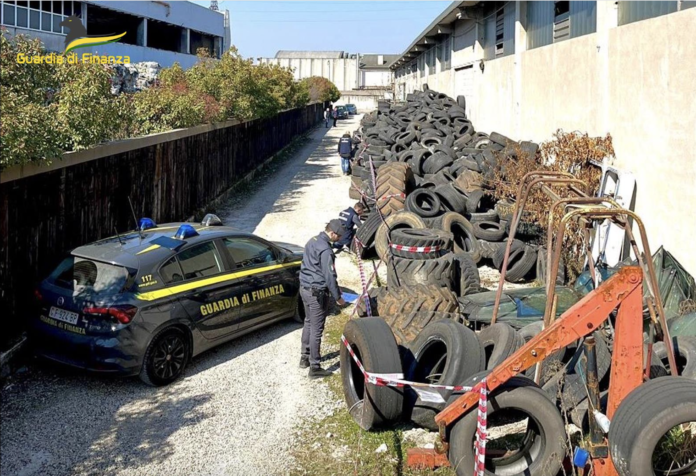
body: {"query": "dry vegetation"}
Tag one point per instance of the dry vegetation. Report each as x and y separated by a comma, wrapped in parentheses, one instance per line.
(572, 152)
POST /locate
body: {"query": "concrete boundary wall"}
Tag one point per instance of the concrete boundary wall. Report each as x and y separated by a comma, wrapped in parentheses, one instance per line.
(45, 212)
(635, 82)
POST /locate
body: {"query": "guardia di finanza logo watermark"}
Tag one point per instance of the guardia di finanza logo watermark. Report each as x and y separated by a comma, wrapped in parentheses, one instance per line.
(77, 38)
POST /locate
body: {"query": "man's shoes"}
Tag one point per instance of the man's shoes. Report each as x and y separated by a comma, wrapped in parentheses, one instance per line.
(304, 362)
(318, 372)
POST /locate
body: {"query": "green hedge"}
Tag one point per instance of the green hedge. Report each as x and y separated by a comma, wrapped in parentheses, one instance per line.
(48, 109)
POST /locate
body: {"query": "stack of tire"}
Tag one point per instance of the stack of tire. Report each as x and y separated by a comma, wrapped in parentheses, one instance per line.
(448, 353)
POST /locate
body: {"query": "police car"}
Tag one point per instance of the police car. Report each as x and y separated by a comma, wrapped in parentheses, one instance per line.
(146, 302)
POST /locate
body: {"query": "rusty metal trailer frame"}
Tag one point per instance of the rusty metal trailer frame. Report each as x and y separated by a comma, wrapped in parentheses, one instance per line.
(622, 292)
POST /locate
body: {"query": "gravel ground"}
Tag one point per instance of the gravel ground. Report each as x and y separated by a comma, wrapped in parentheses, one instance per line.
(239, 406)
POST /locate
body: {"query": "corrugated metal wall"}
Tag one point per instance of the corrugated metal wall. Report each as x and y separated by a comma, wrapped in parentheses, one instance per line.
(636, 11)
(540, 20)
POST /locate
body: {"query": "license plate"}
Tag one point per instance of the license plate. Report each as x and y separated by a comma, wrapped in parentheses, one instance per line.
(63, 315)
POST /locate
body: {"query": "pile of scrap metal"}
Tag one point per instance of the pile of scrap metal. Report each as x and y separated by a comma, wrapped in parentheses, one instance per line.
(599, 354)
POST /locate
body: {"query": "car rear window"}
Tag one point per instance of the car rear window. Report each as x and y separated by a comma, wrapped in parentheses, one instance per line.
(85, 275)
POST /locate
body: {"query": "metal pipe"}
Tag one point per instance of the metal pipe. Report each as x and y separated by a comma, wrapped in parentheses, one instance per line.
(592, 382)
(553, 178)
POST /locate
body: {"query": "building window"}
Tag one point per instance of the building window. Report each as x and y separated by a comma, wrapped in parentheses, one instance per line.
(550, 22)
(40, 16)
(103, 21)
(499, 27)
(561, 21)
(499, 32)
(421, 65)
(630, 12)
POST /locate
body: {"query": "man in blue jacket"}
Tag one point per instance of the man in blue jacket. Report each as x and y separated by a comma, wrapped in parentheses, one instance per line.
(345, 150)
(350, 217)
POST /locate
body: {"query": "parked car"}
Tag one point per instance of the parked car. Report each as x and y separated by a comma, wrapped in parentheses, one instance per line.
(342, 112)
(352, 109)
(145, 302)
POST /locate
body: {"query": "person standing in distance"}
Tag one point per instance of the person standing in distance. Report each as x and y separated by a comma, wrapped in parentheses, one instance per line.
(327, 116)
(345, 150)
(334, 114)
(317, 281)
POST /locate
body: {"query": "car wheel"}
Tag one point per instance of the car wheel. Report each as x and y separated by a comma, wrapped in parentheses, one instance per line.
(166, 357)
(299, 315)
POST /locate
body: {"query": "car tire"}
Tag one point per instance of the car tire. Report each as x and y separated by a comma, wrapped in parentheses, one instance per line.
(499, 342)
(543, 455)
(685, 353)
(299, 315)
(166, 357)
(444, 353)
(489, 230)
(371, 406)
(424, 203)
(644, 417)
(462, 231)
(467, 275)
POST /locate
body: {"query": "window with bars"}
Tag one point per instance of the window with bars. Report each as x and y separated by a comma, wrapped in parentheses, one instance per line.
(499, 32)
(561, 21)
(39, 15)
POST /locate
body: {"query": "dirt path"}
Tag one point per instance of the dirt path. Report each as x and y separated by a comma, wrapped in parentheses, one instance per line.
(239, 405)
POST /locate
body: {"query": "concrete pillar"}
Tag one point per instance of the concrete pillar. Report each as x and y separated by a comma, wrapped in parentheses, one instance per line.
(607, 18)
(83, 15)
(520, 47)
(142, 33)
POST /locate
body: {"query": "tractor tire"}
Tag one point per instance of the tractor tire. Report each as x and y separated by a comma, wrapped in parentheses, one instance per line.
(366, 233)
(420, 238)
(407, 326)
(467, 278)
(397, 221)
(410, 272)
(394, 182)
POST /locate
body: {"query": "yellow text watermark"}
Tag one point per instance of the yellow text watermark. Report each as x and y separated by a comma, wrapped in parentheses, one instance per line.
(71, 58)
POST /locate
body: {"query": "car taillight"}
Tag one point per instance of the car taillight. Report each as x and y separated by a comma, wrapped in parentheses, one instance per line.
(123, 314)
(38, 295)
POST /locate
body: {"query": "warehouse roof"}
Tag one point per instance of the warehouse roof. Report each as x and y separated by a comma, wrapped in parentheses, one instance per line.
(372, 61)
(311, 54)
(428, 37)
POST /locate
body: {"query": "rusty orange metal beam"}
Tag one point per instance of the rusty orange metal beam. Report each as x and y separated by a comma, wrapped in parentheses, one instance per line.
(425, 459)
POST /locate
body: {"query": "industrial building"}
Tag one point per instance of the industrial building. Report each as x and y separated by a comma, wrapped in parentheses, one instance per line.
(163, 32)
(623, 68)
(348, 71)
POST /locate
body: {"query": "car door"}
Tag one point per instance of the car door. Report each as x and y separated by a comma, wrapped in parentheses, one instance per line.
(209, 293)
(268, 289)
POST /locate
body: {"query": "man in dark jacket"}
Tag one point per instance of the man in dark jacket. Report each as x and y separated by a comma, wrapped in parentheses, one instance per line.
(317, 282)
(334, 114)
(345, 150)
(350, 217)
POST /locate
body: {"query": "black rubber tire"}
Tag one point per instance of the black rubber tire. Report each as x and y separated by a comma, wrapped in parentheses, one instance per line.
(410, 272)
(541, 268)
(464, 240)
(521, 262)
(436, 162)
(394, 182)
(488, 249)
(367, 231)
(424, 203)
(488, 215)
(407, 326)
(643, 417)
(467, 278)
(500, 139)
(499, 342)
(469, 181)
(546, 451)
(474, 201)
(444, 353)
(500, 252)
(684, 352)
(299, 315)
(443, 177)
(394, 222)
(166, 357)
(461, 101)
(453, 198)
(373, 342)
(488, 230)
(376, 296)
(420, 238)
(419, 298)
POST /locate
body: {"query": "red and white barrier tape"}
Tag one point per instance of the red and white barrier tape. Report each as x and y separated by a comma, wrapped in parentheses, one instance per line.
(399, 195)
(481, 431)
(416, 249)
(363, 281)
(392, 380)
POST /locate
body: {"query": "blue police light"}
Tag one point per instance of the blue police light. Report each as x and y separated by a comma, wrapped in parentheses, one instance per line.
(185, 231)
(146, 224)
